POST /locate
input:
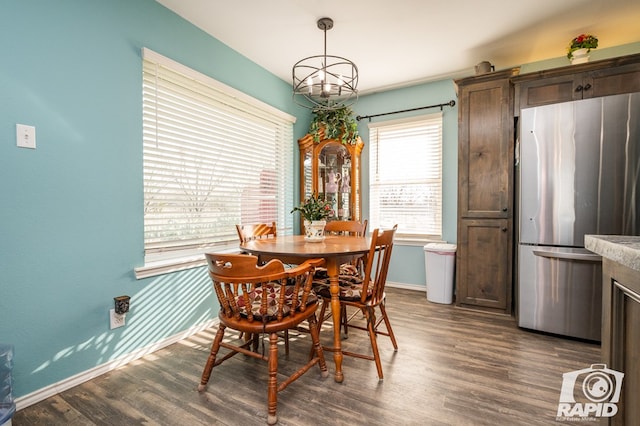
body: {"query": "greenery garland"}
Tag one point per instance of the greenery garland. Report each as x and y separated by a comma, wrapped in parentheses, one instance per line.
(337, 124)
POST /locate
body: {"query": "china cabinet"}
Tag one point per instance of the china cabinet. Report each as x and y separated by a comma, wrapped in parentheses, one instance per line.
(332, 170)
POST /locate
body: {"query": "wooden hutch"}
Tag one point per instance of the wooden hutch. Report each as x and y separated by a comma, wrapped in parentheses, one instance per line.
(331, 169)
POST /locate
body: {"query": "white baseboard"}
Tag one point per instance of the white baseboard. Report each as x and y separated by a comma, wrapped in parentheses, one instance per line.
(68, 383)
(85, 376)
(407, 286)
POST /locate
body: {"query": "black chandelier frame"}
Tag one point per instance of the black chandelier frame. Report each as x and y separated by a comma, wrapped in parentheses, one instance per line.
(331, 85)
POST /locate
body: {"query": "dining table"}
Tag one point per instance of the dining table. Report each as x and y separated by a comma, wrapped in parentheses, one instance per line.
(334, 249)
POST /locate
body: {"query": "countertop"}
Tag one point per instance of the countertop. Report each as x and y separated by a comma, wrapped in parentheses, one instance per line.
(624, 249)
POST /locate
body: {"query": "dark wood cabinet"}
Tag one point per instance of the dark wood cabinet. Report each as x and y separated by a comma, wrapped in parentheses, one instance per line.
(574, 82)
(621, 335)
(484, 264)
(620, 319)
(485, 192)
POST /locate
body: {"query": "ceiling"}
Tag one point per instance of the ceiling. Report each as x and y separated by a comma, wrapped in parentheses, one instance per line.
(403, 42)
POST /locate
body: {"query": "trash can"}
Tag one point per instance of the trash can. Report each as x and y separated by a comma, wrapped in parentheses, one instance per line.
(439, 261)
(7, 406)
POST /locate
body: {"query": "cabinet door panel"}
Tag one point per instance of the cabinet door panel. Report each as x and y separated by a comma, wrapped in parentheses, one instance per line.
(485, 150)
(625, 79)
(484, 264)
(549, 91)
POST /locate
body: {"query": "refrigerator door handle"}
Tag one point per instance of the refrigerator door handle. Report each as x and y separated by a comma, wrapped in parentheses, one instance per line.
(585, 256)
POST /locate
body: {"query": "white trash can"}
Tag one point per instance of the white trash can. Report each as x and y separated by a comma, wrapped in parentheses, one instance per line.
(439, 261)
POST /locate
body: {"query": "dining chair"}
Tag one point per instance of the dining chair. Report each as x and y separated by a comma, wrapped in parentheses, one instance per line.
(366, 294)
(355, 267)
(253, 231)
(260, 300)
(249, 232)
(346, 227)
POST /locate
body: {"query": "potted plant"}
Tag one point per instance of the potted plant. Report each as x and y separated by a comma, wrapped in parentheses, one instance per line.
(580, 46)
(314, 210)
(336, 123)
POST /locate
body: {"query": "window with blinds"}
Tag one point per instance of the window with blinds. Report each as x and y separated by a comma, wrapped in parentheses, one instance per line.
(406, 176)
(213, 158)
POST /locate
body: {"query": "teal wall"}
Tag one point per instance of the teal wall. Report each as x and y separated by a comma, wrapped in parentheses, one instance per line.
(71, 210)
(71, 226)
(408, 261)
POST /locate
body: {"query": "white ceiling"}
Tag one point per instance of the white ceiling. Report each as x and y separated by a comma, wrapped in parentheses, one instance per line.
(401, 42)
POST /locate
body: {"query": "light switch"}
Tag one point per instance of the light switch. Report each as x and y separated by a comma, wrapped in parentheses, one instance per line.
(26, 136)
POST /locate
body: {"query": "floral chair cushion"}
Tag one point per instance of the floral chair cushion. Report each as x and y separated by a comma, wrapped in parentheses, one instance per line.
(350, 285)
(345, 269)
(272, 293)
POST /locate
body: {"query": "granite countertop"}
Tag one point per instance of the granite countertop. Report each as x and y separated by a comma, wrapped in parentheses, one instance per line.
(624, 249)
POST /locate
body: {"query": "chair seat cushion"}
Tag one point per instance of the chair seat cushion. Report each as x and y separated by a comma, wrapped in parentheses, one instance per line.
(345, 269)
(272, 293)
(350, 287)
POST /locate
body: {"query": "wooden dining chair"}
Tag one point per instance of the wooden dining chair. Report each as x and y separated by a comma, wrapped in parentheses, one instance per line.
(262, 300)
(346, 227)
(254, 231)
(366, 294)
(355, 267)
(250, 232)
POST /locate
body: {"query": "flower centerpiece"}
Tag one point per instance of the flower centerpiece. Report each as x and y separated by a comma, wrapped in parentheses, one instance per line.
(583, 41)
(314, 210)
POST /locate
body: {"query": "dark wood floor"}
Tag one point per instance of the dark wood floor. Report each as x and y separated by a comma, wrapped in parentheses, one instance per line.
(453, 367)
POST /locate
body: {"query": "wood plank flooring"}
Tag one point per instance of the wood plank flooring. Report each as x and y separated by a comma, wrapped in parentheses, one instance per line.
(453, 367)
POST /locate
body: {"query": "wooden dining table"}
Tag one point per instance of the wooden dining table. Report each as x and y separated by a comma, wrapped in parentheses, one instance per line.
(334, 249)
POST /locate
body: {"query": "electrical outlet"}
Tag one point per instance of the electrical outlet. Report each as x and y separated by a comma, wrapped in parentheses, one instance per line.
(116, 320)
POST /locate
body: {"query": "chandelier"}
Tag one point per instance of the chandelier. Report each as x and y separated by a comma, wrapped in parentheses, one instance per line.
(325, 82)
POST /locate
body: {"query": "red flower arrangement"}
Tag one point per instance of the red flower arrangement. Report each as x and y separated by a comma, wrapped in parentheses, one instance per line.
(583, 41)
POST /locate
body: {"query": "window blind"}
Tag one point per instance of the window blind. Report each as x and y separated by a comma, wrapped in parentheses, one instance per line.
(406, 176)
(212, 157)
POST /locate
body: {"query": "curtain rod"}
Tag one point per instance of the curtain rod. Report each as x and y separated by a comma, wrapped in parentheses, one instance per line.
(450, 103)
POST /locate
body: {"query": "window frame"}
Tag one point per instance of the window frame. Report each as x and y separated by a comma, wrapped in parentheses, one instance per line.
(244, 109)
(404, 235)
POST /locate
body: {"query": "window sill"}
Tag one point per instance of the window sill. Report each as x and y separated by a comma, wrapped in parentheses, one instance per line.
(169, 266)
(415, 241)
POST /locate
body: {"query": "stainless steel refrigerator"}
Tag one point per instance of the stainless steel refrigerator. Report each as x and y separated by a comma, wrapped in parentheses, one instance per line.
(579, 168)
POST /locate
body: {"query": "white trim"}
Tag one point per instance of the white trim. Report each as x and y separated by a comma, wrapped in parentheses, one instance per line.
(175, 265)
(80, 378)
(168, 266)
(228, 90)
(414, 287)
(63, 385)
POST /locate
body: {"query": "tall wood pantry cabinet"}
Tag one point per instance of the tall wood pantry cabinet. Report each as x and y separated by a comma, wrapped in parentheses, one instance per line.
(331, 169)
(485, 192)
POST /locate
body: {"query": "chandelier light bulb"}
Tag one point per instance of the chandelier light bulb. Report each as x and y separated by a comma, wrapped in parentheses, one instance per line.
(310, 84)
